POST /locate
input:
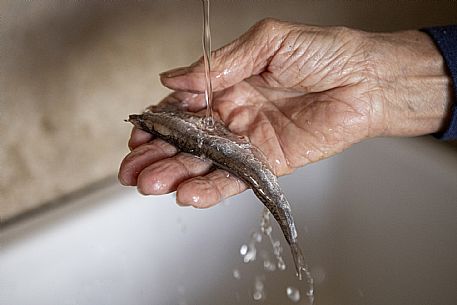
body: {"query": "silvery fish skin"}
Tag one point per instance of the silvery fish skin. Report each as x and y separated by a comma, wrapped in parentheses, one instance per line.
(227, 151)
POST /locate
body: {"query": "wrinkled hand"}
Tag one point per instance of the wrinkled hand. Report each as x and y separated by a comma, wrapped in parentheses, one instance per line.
(300, 94)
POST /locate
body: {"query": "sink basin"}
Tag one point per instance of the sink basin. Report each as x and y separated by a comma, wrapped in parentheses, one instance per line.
(377, 223)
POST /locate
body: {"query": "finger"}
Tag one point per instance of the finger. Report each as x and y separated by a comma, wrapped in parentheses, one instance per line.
(164, 176)
(248, 55)
(138, 137)
(141, 157)
(206, 191)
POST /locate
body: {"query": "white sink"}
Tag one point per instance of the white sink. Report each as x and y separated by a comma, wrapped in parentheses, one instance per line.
(378, 224)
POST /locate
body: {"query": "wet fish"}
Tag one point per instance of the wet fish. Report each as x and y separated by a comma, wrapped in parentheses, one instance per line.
(227, 151)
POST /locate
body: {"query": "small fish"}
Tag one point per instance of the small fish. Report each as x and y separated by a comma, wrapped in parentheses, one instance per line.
(227, 151)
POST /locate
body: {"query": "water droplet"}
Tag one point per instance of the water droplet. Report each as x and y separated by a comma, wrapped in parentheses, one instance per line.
(208, 123)
(184, 104)
(267, 230)
(257, 295)
(158, 186)
(243, 250)
(256, 236)
(277, 249)
(293, 294)
(200, 141)
(281, 264)
(250, 254)
(269, 266)
(259, 292)
(236, 274)
(195, 199)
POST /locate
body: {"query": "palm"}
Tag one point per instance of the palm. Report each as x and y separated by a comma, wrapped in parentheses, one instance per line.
(291, 128)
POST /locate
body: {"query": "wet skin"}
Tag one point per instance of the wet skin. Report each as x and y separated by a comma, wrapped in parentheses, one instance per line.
(300, 94)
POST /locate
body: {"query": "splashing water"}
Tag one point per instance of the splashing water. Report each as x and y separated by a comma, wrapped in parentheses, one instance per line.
(249, 251)
(266, 228)
(272, 261)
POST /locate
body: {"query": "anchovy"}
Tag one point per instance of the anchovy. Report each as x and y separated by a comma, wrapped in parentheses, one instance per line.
(230, 152)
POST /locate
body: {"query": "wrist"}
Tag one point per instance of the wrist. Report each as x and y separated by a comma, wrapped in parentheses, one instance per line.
(416, 87)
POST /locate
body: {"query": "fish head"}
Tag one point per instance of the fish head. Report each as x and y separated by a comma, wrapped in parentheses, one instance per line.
(137, 120)
(150, 123)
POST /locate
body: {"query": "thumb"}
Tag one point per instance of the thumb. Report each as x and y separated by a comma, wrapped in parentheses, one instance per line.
(246, 56)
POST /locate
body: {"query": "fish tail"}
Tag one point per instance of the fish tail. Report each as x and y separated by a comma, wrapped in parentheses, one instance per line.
(301, 267)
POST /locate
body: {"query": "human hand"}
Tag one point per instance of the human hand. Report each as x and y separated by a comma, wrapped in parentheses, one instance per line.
(300, 94)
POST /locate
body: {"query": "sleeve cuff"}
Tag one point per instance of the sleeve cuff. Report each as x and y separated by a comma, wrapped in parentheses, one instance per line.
(445, 38)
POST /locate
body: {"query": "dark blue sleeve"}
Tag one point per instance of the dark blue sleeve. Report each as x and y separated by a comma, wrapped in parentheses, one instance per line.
(445, 38)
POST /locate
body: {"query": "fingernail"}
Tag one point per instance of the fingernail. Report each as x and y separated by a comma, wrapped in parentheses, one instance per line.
(174, 72)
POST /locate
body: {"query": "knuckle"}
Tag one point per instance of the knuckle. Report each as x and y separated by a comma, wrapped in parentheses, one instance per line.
(267, 24)
(345, 33)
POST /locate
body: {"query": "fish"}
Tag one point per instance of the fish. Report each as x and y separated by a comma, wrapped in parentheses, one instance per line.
(188, 132)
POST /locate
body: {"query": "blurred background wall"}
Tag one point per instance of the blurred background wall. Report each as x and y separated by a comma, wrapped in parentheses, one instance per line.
(71, 71)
